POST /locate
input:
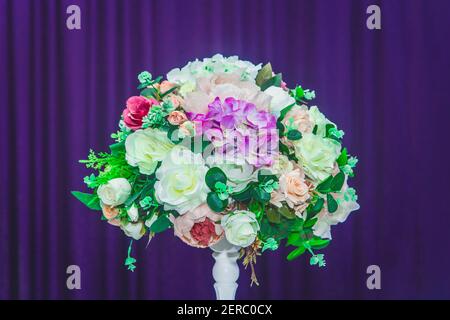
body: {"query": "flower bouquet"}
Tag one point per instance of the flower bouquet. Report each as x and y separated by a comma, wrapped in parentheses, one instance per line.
(223, 151)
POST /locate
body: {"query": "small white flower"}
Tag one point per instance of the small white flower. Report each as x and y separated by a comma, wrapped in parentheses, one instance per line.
(133, 213)
(241, 228)
(134, 230)
(115, 192)
(280, 99)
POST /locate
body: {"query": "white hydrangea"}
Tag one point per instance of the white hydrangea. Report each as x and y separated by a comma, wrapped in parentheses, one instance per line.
(187, 76)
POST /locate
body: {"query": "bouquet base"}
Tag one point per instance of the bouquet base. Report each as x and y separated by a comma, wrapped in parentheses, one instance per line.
(225, 271)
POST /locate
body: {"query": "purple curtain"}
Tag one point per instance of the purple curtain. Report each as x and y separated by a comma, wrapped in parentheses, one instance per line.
(62, 91)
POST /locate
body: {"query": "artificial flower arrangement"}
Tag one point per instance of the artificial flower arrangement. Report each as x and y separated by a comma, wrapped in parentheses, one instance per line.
(224, 149)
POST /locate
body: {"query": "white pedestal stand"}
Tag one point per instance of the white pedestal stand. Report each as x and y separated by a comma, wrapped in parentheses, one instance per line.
(225, 270)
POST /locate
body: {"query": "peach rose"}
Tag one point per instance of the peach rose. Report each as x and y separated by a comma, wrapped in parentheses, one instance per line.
(165, 86)
(109, 212)
(293, 190)
(298, 118)
(198, 227)
(176, 118)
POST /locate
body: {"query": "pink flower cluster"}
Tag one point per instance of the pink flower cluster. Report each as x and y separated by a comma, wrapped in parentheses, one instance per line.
(238, 130)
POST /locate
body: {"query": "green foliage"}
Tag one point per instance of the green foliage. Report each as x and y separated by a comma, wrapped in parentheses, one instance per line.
(213, 176)
(294, 135)
(332, 184)
(89, 200)
(109, 166)
(273, 81)
(343, 158)
(162, 223)
(215, 203)
(264, 74)
(332, 205)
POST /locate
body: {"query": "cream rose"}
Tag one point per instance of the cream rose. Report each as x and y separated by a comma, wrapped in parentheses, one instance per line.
(241, 228)
(144, 148)
(298, 118)
(318, 119)
(317, 155)
(292, 189)
(280, 99)
(115, 192)
(181, 180)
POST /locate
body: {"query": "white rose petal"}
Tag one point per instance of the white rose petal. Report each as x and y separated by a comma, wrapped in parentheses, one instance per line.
(115, 192)
(280, 99)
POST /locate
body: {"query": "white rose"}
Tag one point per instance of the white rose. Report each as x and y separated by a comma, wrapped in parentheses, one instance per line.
(317, 155)
(133, 213)
(241, 228)
(144, 148)
(115, 192)
(239, 173)
(280, 99)
(318, 119)
(181, 180)
(134, 230)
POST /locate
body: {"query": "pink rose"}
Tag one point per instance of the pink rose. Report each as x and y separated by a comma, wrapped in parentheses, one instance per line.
(137, 108)
(165, 86)
(293, 190)
(198, 227)
(176, 118)
(175, 100)
(298, 118)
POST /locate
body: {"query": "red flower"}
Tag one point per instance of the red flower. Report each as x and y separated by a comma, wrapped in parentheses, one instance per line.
(137, 108)
(203, 232)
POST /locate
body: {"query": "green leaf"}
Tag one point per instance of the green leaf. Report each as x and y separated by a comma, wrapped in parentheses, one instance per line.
(118, 147)
(285, 111)
(287, 213)
(343, 158)
(294, 239)
(325, 185)
(264, 74)
(261, 195)
(148, 92)
(318, 243)
(274, 81)
(296, 253)
(331, 203)
(161, 224)
(273, 215)
(311, 222)
(294, 135)
(265, 175)
(315, 129)
(89, 200)
(213, 176)
(244, 194)
(215, 203)
(337, 182)
(315, 209)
